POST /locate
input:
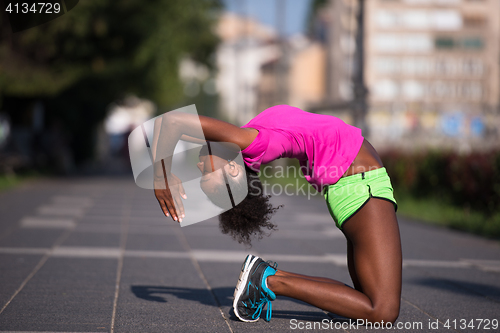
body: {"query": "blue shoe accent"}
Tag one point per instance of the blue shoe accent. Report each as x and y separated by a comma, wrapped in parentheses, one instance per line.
(251, 294)
(267, 296)
(268, 272)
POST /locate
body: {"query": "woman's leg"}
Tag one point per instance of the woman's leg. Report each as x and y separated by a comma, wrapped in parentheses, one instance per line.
(350, 266)
(375, 263)
(313, 278)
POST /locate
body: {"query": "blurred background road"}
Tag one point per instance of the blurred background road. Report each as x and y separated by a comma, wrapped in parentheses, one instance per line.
(95, 255)
(421, 78)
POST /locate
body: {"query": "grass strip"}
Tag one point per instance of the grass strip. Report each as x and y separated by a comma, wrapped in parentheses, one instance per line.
(439, 212)
(10, 181)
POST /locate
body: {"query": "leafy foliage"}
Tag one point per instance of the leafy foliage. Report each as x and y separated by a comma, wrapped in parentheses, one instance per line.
(99, 52)
(130, 46)
(471, 181)
(459, 191)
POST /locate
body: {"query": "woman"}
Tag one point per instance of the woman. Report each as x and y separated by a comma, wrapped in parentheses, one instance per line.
(335, 159)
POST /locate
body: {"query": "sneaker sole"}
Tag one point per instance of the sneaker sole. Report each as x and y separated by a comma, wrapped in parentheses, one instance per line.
(242, 281)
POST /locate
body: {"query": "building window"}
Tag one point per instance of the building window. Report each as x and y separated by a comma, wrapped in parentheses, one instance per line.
(413, 19)
(416, 19)
(447, 20)
(387, 19)
(428, 2)
(386, 89)
(413, 90)
(385, 65)
(395, 43)
(444, 43)
(472, 43)
(425, 66)
(474, 20)
(448, 43)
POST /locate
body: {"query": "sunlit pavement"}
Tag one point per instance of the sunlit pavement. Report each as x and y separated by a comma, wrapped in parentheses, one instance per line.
(96, 255)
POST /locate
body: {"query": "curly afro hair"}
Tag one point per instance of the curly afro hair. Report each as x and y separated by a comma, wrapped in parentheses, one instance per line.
(252, 216)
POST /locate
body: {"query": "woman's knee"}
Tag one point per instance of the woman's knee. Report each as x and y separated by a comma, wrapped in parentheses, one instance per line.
(387, 312)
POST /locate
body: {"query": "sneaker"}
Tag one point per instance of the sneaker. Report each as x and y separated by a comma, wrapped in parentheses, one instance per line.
(252, 294)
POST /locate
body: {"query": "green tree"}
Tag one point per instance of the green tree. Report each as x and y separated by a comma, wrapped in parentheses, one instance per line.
(101, 50)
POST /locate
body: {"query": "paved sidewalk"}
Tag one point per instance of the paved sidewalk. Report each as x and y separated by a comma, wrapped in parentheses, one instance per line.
(96, 255)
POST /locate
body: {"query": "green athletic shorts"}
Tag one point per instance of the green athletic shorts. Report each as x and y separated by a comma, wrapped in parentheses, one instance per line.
(347, 196)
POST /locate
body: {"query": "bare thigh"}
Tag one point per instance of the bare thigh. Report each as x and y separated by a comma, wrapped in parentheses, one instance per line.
(350, 266)
(374, 253)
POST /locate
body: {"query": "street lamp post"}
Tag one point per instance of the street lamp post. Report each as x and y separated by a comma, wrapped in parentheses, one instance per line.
(360, 91)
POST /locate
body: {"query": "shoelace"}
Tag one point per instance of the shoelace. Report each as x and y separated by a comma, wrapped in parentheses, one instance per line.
(261, 305)
(264, 300)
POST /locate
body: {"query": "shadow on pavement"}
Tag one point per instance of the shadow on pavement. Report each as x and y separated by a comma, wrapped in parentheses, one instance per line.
(317, 315)
(460, 287)
(202, 295)
(225, 298)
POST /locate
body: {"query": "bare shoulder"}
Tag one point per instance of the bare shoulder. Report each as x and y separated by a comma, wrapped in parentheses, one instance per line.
(251, 135)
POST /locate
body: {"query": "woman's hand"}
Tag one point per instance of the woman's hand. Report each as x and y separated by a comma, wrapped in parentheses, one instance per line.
(169, 191)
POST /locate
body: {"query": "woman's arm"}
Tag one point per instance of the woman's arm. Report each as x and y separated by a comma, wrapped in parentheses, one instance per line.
(175, 126)
(212, 129)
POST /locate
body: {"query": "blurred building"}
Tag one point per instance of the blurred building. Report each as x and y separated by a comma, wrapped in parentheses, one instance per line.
(432, 69)
(307, 72)
(245, 47)
(258, 69)
(335, 27)
(296, 78)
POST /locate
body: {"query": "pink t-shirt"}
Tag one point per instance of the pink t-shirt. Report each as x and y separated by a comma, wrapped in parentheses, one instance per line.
(324, 145)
